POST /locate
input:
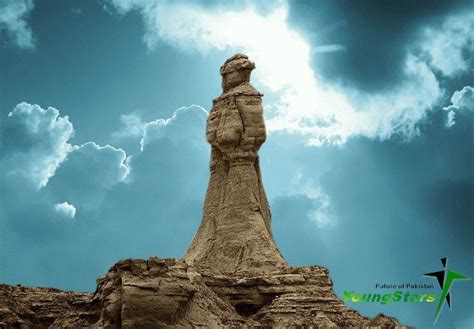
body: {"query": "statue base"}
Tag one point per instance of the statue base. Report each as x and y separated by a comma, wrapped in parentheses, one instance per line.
(170, 293)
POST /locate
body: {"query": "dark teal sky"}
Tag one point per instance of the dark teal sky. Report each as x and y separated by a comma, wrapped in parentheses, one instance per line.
(368, 165)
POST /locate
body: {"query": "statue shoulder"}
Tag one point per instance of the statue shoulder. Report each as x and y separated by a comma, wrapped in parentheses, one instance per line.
(244, 89)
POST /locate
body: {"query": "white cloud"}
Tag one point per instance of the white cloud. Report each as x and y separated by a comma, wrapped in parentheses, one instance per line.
(172, 151)
(34, 147)
(462, 100)
(451, 120)
(448, 45)
(189, 118)
(65, 209)
(323, 113)
(35, 142)
(111, 161)
(321, 213)
(133, 126)
(89, 172)
(13, 15)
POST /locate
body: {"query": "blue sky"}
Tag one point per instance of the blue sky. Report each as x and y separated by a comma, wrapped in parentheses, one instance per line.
(368, 165)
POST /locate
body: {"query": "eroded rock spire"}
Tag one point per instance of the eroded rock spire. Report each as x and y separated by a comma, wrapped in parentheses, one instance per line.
(235, 233)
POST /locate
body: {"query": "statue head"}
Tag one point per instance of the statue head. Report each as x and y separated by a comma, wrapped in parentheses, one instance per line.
(235, 71)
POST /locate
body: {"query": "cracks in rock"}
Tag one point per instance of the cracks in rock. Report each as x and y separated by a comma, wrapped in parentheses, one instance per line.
(241, 256)
(234, 100)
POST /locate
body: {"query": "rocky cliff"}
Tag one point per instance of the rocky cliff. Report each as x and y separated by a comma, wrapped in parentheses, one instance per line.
(231, 276)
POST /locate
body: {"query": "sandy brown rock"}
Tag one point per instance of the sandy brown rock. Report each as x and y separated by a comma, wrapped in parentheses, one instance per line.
(232, 275)
(169, 292)
(160, 293)
(295, 297)
(25, 307)
(235, 233)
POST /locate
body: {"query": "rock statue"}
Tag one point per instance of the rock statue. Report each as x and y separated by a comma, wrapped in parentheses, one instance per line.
(235, 234)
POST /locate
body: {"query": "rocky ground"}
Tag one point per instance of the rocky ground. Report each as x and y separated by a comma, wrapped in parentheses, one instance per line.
(158, 293)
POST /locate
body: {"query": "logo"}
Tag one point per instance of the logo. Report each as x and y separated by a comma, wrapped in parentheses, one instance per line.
(445, 279)
(411, 292)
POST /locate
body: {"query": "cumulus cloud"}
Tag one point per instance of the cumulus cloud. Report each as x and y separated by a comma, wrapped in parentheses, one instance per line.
(132, 126)
(89, 172)
(167, 186)
(35, 147)
(94, 155)
(304, 104)
(461, 101)
(13, 16)
(176, 146)
(449, 47)
(189, 118)
(65, 209)
(34, 142)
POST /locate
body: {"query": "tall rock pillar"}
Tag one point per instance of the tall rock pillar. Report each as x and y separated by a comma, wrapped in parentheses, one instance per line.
(235, 233)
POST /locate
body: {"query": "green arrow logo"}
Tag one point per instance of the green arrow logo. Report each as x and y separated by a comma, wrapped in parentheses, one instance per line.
(445, 280)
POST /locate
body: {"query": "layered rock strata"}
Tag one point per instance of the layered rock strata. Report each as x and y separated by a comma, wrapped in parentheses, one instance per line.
(160, 293)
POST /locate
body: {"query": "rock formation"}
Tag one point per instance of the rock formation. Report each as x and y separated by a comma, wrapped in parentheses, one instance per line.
(235, 234)
(231, 276)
